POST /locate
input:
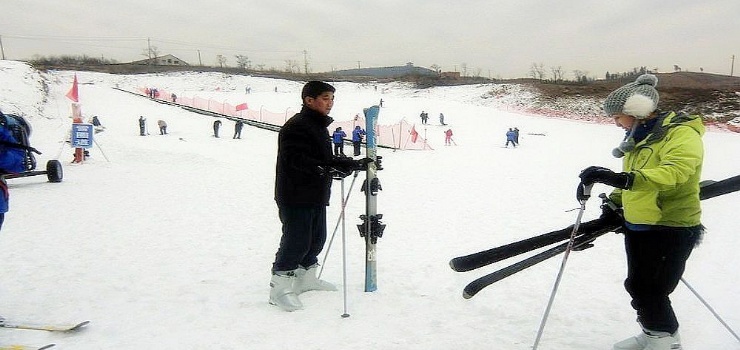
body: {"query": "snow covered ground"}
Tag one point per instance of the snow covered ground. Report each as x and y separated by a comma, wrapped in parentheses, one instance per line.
(166, 242)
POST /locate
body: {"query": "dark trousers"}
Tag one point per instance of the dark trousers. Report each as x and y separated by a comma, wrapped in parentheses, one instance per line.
(357, 145)
(338, 149)
(304, 235)
(656, 260)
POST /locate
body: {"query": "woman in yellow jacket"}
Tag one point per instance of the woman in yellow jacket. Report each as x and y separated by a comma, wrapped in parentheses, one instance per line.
(658, 190)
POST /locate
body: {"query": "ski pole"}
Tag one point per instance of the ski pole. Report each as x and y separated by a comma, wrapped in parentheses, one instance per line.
(344, 254)
(710, 309)
(339, 220)
(583, 192)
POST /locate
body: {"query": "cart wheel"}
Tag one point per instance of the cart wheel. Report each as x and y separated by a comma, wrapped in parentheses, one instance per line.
(54, 171)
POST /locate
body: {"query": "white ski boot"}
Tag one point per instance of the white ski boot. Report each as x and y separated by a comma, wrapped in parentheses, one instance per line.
(307, 281)
(663, 341)
(637, 342)
(282, 293)
(651, 340)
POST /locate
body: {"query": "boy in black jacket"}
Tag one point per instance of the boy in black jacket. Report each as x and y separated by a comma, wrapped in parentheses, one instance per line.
(304, 170)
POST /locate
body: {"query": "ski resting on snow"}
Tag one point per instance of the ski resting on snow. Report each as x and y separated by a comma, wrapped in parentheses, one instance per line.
(24, 347)
(587, 233)
(48, 327)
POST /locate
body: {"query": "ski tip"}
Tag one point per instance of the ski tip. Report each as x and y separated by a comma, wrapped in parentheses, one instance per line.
(467, 295)
(79, 326)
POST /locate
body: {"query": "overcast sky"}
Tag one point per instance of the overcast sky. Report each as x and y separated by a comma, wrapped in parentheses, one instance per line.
(497, 39)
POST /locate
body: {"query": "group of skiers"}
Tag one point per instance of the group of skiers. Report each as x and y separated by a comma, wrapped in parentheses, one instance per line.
(162, 125)
(512, 136)
(238, 126)
(658, 198)
(338, 137)
(425, 118)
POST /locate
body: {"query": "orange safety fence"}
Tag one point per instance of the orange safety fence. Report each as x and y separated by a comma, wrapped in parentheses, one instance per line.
(401, 135)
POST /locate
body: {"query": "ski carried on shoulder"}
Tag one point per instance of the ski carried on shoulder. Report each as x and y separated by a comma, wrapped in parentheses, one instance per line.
(49, 327)
(4, 346)
(371, 228)
(587, 233)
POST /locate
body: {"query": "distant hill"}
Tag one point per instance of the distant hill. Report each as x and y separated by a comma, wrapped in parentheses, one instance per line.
(386, 72)
(712, 95)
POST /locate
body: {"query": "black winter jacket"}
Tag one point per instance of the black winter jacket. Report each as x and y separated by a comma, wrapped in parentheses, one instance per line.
(304, 146)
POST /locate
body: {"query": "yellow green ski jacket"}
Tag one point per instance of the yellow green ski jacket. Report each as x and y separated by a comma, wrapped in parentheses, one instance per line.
(667, 169)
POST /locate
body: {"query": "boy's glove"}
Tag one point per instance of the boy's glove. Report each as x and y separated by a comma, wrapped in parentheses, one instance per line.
(338, 174)
(605, 176)
(348, 164)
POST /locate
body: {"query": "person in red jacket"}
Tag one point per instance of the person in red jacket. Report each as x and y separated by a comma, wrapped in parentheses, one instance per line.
(448, 137)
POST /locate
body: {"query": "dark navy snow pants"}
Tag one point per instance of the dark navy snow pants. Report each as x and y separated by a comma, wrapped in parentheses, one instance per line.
(656, 260)
(304, 235)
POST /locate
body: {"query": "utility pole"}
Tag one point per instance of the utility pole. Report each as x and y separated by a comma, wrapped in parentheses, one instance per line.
(358, 64)
(732, 66)
(200, 61)
(305, 62)
(3, 49)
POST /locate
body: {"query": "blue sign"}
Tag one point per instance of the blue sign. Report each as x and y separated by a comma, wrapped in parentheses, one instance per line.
(82, 135)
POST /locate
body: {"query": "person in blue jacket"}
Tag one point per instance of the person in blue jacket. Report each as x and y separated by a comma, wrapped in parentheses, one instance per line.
(11, 161)
(357, 135)
(511, 137)
(338, 139)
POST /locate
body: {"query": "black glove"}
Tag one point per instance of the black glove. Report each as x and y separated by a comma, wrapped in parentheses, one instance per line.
(363, 163)
(348, 164)
(605, 176)
(338, 174)
(611, 216)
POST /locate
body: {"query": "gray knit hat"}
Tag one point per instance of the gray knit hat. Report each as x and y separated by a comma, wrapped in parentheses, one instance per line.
(637, 99)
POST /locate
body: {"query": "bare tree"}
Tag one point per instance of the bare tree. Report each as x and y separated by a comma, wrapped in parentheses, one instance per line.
(243, 62)
(537, 71)
(221, 59)
(292, 66)
(676, 68)
(436, 68)
(464, 69)
(580, 75)
(151, 52)
(557, 73)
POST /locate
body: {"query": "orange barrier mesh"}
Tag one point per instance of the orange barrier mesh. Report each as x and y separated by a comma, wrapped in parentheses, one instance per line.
(401, 135)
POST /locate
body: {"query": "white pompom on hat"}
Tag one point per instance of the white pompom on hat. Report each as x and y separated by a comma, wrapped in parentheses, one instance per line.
(638, 99)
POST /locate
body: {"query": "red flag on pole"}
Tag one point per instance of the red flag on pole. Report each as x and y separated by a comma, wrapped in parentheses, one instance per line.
(241, 107)
(414, 134)
(74, 93)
